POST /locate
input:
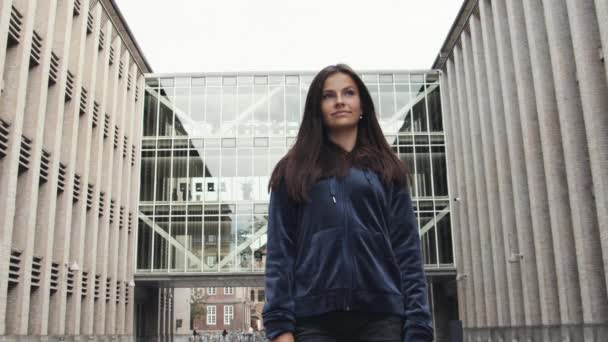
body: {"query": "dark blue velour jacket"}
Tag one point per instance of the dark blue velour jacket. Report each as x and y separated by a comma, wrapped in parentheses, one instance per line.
(354, 246)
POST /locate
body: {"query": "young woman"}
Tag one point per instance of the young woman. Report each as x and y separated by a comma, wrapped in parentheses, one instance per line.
(343, 258)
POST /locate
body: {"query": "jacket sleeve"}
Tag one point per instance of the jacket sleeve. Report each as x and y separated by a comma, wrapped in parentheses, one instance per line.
(405, 240)
(278, 312)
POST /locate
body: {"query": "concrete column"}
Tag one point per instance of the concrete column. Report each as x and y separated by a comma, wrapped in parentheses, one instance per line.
(514, 278)
(13, 112)
(542, 249)
(464, 190)
(518, 171)
(46, 206)
(453, 191)
(82, 218)
(490, 177)
(593, 86)
(471, 118)
(126, 195)
(578, 174)
(135, 172)
(106, 181)
(113, 251)
(28, 183)
(65, 204)
(93, 219)
(552, 287)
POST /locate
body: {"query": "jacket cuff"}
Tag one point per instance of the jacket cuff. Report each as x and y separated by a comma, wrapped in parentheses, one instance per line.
(276, 328)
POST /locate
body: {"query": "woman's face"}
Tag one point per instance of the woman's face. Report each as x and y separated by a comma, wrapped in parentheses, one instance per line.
(340, 102)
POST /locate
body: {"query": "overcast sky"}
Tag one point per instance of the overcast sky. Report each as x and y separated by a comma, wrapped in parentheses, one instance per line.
(268, 35)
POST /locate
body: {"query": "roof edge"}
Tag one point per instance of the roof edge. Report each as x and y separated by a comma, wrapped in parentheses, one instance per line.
(465, 12)
(127, 36)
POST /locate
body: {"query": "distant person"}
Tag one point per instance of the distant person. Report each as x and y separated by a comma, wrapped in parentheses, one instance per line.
(343, 258)
(224, 333)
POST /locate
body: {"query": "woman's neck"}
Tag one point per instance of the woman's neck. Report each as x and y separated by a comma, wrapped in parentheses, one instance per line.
(346, 139)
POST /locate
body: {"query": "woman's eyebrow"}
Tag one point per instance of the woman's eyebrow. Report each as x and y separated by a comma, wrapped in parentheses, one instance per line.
(345, 88)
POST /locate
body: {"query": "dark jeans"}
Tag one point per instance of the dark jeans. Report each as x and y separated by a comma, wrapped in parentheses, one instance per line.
(350, 326)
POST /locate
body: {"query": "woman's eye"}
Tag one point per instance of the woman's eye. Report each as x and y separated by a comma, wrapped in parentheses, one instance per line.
(350, 92)
(326, 96)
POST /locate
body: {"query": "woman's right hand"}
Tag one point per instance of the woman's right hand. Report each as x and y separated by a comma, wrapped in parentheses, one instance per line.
(286, 337)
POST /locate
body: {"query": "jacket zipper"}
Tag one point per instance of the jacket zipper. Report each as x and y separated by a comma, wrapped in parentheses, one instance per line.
(341, 209)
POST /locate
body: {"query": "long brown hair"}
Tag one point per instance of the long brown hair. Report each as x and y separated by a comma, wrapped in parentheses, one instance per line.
(313, 155)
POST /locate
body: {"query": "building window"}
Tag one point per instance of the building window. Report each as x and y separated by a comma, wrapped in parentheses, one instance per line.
(228, 290)
(261, 296)
(211, 259)
(211, 291)
(210, 314)
(252, 295)
(228, 314)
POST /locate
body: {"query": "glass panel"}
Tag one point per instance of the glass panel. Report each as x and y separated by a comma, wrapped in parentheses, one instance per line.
(244, 239)
(150, 113)
(182, 110)
(144, 244)
(213, 109)
(434, 101)
(161, 245)
(196, 174)
(406, 154)
(419, 110)
(244, 183)
(429, 247)
(198, 81)
(228, 172)
(178, 247)
(277, 111)
(295, 79)
(403, 98)
(275, 79)
(387, 109)
(260, 227)
(446, 255)
(228, 242)
(245, 109)
(152, 82)
(194, 242)
(165, 116)
(163, 174)
(180, 192)
(423, 173)
(210, 240)
(440, 174)
(146, 189)
(212, 163)
(197, 127)
(260, 116)
(229, 114)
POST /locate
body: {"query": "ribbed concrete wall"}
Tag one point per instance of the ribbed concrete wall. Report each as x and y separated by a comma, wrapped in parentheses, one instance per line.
(525, 98)
(70, 114)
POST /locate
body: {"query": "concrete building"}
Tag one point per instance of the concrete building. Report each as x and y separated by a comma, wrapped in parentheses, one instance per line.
(526, 115)
(70, 113)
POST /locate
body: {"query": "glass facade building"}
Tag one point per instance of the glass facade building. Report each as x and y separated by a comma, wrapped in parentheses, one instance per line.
(210, 142)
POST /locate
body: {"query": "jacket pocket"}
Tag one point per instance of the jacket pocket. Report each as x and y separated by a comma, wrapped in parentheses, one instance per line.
(375, 266)
(322, 266)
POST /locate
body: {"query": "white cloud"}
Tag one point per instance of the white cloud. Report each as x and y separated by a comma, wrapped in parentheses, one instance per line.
(240, 35)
